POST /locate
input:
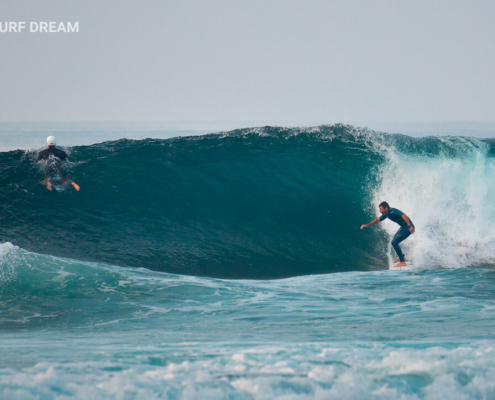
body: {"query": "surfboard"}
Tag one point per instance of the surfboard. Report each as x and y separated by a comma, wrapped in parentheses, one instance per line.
(58, 182)
(407, 267)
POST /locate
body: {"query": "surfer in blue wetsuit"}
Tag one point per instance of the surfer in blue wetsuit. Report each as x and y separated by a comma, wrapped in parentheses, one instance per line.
(54, 172)
(405, 230)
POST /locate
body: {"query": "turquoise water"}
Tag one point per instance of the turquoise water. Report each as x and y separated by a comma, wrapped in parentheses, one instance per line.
(86, 330)
(125, 290)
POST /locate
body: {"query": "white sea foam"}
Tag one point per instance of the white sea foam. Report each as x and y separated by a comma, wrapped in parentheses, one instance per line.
(450, 201)
(8, 256)
(292, 371)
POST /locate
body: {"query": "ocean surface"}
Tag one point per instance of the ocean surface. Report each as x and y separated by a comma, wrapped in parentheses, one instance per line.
(231, 265)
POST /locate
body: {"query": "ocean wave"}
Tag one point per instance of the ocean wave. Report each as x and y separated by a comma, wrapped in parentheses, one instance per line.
(258, 203)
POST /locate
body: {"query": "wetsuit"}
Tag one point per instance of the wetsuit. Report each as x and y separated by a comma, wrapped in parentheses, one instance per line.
(47, 153)
(54, 158)
(402, 234)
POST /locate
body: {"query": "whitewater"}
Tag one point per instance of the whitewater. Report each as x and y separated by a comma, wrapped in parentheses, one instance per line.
(231, 266)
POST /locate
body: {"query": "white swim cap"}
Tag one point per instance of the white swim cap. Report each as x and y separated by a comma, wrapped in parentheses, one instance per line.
(51, 141)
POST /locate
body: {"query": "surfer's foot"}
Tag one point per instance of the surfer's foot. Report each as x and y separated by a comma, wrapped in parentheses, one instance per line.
(401, 264)
(76, 186)
(47, 183)
(398, 259)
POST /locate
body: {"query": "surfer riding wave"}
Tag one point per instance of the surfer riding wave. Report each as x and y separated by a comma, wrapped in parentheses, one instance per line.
(406, 228)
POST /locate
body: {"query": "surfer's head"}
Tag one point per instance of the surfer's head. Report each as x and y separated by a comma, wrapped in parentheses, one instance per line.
(384, 207)
(51, 141)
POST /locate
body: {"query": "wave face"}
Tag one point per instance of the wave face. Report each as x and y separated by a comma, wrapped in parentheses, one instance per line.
(258, 203)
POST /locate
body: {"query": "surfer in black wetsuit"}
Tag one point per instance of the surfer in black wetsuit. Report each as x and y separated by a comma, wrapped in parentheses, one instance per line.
(54, 172)
(405, 230)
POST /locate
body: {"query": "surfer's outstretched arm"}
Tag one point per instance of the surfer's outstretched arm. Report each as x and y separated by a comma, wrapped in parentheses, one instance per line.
(76, 186)
(374, 222)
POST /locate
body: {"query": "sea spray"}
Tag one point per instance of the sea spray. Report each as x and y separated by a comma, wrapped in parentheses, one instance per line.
(448, 193)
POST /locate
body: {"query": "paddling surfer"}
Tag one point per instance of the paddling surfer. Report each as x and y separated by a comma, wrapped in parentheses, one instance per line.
(54, 172)
(405, 230)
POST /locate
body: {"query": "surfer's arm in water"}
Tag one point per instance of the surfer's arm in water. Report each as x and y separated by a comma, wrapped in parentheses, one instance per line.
(406, 220)
(76, 186)
(47, 183)
(374, 222)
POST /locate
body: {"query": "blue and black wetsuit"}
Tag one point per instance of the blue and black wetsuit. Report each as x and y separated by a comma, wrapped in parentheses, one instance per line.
(402, 234)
